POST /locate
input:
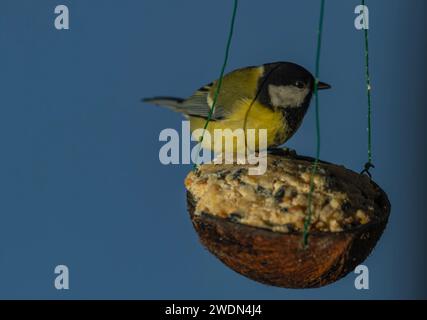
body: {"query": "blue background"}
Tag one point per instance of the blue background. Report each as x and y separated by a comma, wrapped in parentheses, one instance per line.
(80, 179)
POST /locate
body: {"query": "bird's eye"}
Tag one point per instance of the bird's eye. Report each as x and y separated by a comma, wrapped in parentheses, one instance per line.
(299, 84)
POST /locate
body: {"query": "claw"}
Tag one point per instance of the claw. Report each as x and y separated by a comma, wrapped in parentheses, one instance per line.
(282, 152)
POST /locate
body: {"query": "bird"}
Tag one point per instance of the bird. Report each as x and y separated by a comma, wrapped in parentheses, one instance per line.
(272, 96)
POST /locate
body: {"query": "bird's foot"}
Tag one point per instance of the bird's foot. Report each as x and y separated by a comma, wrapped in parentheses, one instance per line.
(284, 152)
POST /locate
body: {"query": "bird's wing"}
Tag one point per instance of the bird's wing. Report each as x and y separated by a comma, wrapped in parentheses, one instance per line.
(200, 104)
(236, 85)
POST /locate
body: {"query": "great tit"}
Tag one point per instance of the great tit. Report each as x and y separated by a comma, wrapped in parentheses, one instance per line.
(273, 96)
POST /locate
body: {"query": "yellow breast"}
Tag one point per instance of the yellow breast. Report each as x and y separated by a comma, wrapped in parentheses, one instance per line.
(244, 117)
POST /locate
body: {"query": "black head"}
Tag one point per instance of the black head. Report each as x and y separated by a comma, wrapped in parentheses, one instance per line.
(286, 85)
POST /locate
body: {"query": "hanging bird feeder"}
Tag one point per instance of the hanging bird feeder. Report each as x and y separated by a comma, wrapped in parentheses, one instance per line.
(304, 223)
(255, 224)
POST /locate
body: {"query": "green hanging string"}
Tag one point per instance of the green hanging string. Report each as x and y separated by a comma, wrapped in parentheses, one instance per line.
(368, 165)
(221, 76)
(307, 221)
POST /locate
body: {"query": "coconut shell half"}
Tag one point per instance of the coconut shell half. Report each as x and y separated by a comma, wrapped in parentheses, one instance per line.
(280, 259)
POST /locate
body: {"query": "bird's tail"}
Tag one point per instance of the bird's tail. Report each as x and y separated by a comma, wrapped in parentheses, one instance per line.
(169, 102)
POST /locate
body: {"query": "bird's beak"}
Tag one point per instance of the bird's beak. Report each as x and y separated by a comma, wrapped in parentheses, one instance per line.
(322, 86)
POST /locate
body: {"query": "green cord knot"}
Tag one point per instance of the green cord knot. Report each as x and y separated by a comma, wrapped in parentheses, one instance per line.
(368, 165)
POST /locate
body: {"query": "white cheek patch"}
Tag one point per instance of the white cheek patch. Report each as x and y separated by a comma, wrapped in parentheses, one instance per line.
(287, 96)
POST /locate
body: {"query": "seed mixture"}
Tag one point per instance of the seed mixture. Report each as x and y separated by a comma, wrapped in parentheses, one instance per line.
(277, 200)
